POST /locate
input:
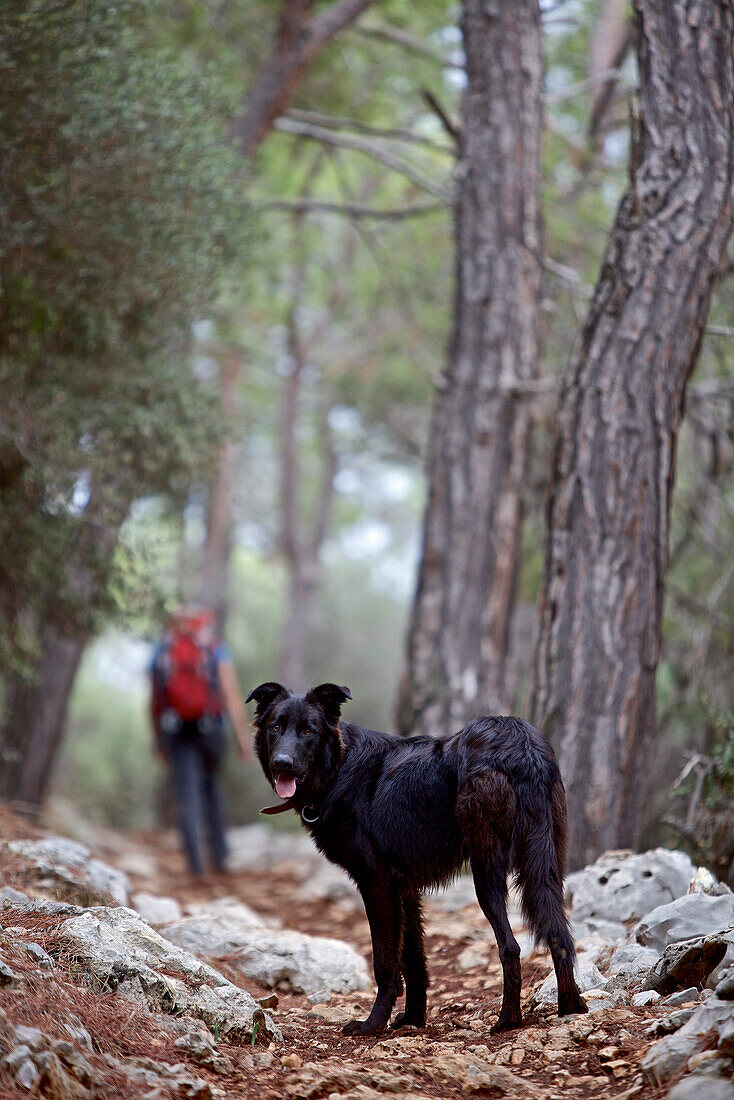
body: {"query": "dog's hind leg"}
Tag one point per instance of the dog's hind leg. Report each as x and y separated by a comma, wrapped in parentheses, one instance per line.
(486, 810)
(541, 866)
(382, 902)
(414, 966)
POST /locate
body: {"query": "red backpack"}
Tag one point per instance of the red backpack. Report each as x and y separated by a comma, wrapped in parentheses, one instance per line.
(186, 678)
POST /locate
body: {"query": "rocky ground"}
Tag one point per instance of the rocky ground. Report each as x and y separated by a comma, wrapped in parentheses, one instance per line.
(239, 986)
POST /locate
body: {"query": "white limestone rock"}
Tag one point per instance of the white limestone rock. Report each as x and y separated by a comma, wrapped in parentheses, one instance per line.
(631, 963)
(688, 917)
(622, 886)
(119, 949)
(155, 909)
(587, 977)
(276, 959)
(70, 863)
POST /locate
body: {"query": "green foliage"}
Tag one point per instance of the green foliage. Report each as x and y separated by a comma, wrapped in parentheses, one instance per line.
(705, 797)
(120, 211)
(107, 768)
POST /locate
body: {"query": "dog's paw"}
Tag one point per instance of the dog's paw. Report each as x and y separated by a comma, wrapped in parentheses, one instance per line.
(574, 1003)
(408, 1019)
(362, 1027)
(505, 1022)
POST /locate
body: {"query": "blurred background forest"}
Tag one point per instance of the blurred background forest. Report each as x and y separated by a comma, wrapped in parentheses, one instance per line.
(219, 354)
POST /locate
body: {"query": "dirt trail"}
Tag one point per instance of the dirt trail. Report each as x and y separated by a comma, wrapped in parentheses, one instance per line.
(594, 1056)
(455, 1055)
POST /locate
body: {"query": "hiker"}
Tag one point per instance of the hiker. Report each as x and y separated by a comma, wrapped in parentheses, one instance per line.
(193, 688)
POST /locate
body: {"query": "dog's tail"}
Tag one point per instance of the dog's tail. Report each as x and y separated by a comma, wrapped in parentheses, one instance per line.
(539, 860)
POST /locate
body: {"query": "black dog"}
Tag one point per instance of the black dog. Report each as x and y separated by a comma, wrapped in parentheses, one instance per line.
(401, 815)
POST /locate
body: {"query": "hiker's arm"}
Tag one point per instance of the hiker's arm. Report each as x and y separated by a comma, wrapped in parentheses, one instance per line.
(156, 709)
(235, 707)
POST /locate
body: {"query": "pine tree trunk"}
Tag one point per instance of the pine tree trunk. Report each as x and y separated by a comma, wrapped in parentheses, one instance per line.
(300, 541)
(35, 707)
(214, 586)
(618, 420)
(480, 436)
(34, 719)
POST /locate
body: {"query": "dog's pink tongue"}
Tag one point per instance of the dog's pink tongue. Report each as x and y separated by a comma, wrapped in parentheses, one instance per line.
(285, 788)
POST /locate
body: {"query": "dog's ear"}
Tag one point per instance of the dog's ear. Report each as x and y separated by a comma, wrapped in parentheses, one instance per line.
(330, 698)
(264, 696)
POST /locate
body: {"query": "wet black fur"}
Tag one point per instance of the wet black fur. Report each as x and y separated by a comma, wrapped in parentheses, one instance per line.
(403, 815)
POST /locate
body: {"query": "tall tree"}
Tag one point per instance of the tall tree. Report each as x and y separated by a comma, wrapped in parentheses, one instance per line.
(300, 35)
(115, 199)
(620, 411)
(213, 584)
(481, 423)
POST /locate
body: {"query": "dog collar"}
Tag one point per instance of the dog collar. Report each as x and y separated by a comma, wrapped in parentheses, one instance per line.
(280, 808)
(288, 805)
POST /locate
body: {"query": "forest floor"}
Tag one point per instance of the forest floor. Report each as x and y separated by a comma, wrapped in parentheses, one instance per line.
(454, 1055)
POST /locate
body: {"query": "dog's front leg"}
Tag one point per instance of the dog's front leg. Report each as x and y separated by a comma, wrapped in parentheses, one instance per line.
(384, 913)
(413, 963)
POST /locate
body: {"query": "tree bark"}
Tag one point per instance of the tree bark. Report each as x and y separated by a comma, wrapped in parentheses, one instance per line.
(35, 707)
(300, 548)
(619, 414)
(610, 41)
(299, 38)
(35, 713)
(214, 586)
(480, 436)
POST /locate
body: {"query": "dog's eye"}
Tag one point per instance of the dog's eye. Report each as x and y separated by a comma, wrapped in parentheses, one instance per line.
(275, 728)
(307, 733)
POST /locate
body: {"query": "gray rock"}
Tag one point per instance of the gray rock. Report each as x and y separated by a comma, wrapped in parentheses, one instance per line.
(7, 977)
(686, 963)
(50, 908)
(40, 957)
(305, 964)
(53, 849)
(156, 910)
(690, 917)
(692, 1088)
(321, 997)
(76, 1030)
(710, 1063)
(621, 886)
(725, 985)
(587, 977)
(682, 997)
(108, 880)
(631, 963)
(726, 1037)
(667, 1056)
(118, 946)
(232, 909)
(599, 1000)
(258, 848)
(646, 997)
(330, 883)
(594, 932)
(718, 972)
(199, 1048)
(674, 1021)
(706, 882)
(57, 859)
(164, 1080)
(10, 898)
(21, 1065)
